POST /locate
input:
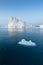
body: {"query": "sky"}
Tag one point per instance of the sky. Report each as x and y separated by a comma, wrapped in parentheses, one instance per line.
(30, 11)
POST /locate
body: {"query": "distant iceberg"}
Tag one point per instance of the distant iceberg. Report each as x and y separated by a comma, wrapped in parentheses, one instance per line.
(27, 43)
(18, 25)
(41, 26)
(15, 24)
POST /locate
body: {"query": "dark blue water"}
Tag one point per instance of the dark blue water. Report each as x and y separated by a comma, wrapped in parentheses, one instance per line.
(11, 53)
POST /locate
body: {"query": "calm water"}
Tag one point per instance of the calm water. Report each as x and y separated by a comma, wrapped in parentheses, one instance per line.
(11, 53)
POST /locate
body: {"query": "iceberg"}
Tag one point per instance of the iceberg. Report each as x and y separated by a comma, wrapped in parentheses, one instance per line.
(27, 43)
(15, 24)
(41, 26)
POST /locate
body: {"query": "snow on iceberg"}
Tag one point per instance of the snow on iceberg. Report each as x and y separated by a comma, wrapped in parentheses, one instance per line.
(27, 43)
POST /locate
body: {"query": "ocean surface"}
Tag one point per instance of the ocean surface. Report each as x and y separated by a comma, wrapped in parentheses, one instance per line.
(12, 53)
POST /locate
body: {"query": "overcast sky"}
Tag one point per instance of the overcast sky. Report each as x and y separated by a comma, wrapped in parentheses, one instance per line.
(30, 11)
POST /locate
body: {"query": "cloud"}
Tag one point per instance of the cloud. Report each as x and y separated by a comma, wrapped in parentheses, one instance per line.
(27, 43)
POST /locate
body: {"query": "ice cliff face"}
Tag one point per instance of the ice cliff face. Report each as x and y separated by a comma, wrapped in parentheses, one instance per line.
(15, 24)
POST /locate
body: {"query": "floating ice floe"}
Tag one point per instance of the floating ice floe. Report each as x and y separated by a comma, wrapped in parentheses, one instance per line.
(27, 43)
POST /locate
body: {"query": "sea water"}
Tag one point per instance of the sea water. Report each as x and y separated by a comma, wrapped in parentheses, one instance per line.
(12, 53)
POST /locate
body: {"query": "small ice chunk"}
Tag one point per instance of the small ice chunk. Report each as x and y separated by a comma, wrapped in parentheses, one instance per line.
(27, 43)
